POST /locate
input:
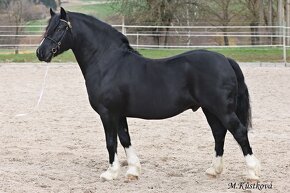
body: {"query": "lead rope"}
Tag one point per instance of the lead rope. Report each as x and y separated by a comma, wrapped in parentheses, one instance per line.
(38, 101)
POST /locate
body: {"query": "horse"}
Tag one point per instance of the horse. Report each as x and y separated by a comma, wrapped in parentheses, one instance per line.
(121, 83)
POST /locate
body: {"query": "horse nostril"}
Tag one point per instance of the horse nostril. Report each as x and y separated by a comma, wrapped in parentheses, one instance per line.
(39, 54)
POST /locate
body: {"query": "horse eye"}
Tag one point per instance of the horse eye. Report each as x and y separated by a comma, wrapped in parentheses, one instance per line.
(58, 29)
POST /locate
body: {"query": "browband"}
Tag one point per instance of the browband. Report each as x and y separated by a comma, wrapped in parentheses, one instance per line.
(67, 22)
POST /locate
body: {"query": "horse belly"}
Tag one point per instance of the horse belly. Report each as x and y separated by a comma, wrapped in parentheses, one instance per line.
(159, 106)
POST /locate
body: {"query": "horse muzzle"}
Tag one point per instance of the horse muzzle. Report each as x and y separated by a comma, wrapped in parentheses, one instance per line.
(42, 56)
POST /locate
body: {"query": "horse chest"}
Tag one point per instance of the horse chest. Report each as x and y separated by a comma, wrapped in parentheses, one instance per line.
(108, 97)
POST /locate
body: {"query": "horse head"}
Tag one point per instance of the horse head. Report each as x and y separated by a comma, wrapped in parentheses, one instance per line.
(57, 38)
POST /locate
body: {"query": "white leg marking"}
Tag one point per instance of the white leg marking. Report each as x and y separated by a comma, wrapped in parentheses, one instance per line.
(112, 172)
(216, 166)
(134, 166)
(254, 167)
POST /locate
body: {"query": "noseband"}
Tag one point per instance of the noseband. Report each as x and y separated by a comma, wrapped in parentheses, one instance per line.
(58, 43)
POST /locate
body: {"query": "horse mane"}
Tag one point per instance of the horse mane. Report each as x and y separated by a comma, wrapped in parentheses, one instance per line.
(110, 30)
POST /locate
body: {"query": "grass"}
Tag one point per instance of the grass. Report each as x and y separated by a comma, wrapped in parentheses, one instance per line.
(100, 11)
(239, 54)
(96, 9)
(31, 57)
(31, 30)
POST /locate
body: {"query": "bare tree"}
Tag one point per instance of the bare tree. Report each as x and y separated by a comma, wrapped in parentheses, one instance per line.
(255, 14)
(4, 4)
(220, 12)
(161, 12)
(19, 11)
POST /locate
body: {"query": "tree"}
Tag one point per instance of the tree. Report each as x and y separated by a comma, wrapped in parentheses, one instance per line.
(48, 3)
(220, 12)
(19, 11)
(4, 4)
(255, 14)
(152, 12)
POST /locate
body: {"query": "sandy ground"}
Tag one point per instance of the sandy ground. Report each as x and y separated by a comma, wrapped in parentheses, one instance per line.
(61, 147)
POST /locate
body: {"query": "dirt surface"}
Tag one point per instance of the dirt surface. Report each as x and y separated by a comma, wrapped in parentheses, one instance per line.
(60, 146)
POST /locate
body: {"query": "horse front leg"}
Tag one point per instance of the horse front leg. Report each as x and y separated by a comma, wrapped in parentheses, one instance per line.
(110, 123)
(134, 166)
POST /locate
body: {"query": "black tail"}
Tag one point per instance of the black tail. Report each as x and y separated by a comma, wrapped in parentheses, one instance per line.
(243, 110)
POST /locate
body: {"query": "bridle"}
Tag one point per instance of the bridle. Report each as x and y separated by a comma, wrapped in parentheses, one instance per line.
(58, 43)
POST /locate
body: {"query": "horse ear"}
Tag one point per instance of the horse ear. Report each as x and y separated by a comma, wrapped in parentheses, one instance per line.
(63, 14)
(51, 12)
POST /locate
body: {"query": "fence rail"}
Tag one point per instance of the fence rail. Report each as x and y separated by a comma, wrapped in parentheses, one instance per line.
(148, 36)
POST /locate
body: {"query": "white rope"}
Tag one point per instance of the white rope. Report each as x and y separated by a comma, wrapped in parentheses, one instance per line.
(38, 101)
(42, 89)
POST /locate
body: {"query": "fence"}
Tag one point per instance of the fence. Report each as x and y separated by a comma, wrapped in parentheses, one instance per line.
(177, 37)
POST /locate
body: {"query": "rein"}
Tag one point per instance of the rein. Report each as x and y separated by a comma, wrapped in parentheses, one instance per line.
(58, 43)
(38, 101)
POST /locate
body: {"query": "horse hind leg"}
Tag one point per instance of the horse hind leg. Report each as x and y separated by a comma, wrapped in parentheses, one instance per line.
(134, 166)
(219, 133)
(240, 133)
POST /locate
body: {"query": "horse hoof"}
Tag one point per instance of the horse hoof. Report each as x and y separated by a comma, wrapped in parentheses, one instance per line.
(130, 178)
(252, 181)
(108, 176)
(252, 178)
(133, 173)
(211, 172)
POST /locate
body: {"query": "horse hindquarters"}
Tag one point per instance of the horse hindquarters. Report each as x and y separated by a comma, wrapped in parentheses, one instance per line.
(227, 108)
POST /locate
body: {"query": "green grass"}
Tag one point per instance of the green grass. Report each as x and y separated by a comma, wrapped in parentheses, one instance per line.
(239, 54)
(36, 30)
(254, 54)
(93, 1)
(98, 10)
(31, 57)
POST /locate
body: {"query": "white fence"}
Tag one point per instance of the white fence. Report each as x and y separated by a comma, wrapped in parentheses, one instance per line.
(178, 37)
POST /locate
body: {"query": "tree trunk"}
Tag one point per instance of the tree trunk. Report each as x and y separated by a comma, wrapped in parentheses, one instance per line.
(166, 37)
(261, 20)
(270, 19)
(254, 32)
(288, 20)
(226, 38)
(15, 40)
(156, 36)
(280, 18)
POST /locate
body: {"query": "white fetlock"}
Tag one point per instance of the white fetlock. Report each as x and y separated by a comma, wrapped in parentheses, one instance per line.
(112, 172)
(216, 166)
(254, 167)
(134, 166)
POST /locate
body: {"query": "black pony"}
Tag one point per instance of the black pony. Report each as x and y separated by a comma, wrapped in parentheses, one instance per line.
(121, 83)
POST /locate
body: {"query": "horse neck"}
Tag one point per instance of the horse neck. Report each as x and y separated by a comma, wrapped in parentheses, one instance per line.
(91, 41)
